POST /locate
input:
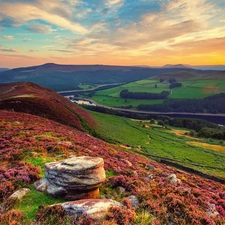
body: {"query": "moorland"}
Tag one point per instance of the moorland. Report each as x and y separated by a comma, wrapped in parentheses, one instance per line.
(38, 126)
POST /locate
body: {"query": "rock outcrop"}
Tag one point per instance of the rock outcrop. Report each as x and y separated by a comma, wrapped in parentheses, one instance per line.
(95, 209)
(19, 194)
(173, 179)
(134, 200)
(73, 178)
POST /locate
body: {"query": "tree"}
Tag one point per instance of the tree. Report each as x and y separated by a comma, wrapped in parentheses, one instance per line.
(192, 133)
(152, 121)
(161, 123)
(156, 86)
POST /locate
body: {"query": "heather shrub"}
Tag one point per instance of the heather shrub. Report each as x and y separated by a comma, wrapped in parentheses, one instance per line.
(16, 175)
(121, 215)
(12, 217)
(50, 215)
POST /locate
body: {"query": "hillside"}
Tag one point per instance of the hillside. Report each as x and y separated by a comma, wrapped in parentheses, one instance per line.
(34, 99)
(3, 69)
(69, 77)
(176, 66)
(27, 142)
(194, 85)
(184, 75)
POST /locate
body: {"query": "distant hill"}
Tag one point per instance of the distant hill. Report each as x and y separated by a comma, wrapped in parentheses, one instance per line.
(68, 77)
(180, 66)
(34, 99)
(3, 69)
(187, 75)
(217, 75)
(209, 67)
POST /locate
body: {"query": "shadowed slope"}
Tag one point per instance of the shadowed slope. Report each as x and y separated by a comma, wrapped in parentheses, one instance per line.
(34, 99)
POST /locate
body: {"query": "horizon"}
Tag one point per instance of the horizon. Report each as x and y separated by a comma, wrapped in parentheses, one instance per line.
(150, 66)
(112, 32)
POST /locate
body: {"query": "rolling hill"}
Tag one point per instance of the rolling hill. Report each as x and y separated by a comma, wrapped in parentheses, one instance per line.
(29, 141)
(176, 66)
(68, 77)
(3, 69)
(34, 99)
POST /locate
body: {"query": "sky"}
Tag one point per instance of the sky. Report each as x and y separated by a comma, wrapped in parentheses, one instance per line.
(112, 32)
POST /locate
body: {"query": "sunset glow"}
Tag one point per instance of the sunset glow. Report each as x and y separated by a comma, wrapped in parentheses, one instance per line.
(113, 32)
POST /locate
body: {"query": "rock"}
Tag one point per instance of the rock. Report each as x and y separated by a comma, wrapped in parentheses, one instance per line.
(149, 177)
(134, 200)
(67, 144)
(129, 164)
(18, 195)
(121, 190)
(73, 178)
(95, 209)
(174, 180)
(212, 212)
(150, 167)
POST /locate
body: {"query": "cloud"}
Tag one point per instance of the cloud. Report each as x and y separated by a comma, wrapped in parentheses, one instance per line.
(8, 37)
(212, 45)
(9, 50)
(48, 11)
(61, 50)
(42, 29)
(8, 21)
(26, 39)
(120, 29)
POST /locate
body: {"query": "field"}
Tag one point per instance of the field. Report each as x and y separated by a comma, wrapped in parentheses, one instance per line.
(119, 102)
(157, 141)
(193, 86)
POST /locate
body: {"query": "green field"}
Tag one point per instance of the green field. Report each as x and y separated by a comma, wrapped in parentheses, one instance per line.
(120, 102)
(158, 141)
(192, 87)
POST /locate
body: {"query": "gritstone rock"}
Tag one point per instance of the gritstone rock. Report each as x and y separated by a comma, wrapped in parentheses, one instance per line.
(73, 178)
(18, 195)
(95, 209)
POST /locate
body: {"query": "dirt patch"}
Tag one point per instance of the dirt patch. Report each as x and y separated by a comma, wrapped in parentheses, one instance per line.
(23, 96)
(124, 146)
(216, 148)
(145, 121)
(210, 89)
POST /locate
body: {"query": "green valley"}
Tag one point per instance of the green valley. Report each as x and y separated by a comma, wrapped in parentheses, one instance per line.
(194, 86)
(159, 142)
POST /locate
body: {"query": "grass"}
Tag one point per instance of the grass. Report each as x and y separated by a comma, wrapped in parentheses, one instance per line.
(189, 92)
(30, 203)
(160, 142)
(85, 86)
(195, 87)
(39, 162)
(116, 130)
(120, 102)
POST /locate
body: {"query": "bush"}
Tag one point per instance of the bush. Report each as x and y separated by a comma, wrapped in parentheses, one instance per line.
(161, 123)
(121, 215)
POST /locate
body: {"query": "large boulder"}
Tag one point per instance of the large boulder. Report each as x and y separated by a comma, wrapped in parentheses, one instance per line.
(95, 209)
(73, 178)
